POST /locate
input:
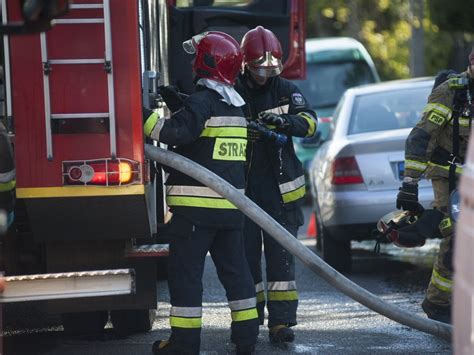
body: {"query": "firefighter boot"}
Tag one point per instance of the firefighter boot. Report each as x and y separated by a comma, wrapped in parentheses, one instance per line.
(281, 334)
(165, 347)
(437, 312)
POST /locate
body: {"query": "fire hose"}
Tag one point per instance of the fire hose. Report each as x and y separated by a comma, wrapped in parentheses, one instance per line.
(294, 246)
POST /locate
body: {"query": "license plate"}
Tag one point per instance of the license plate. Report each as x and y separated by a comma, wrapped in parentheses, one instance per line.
(401, 169)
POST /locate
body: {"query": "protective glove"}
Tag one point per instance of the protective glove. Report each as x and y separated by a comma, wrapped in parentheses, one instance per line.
(407, 198)
(271, 118)
(171, 97)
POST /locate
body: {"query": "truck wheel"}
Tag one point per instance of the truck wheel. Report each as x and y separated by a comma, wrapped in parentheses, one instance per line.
(336, 253)
(129, 321)
(84, 322)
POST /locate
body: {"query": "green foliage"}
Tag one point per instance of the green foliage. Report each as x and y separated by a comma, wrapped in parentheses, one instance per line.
(384, 27)
(452, 15)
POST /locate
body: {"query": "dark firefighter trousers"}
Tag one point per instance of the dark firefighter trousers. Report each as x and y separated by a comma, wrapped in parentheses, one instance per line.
(282, 297)
(441, 284)
(189, 245)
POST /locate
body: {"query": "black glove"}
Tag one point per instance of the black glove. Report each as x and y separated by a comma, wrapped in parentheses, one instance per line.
(270, 118)
(171, 97)
(407, 198)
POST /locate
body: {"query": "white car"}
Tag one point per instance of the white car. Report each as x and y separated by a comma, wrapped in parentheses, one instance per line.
(356, 174)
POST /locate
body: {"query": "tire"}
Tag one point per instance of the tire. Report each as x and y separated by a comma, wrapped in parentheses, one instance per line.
(336, 253)
(84, 322)
(130, 321)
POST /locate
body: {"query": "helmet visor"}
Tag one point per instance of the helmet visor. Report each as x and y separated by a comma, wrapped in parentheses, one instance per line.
(190, 45)
(266, 66)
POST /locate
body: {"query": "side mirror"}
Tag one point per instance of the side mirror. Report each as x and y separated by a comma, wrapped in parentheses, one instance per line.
(37, 16)
(454, 206)
(312, 142)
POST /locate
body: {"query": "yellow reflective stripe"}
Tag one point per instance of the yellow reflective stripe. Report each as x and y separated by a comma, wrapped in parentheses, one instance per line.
(463, 122)
(445, 223)
(79, 191)
(441, 282)
(239, 316)
(436, 118)
(230, 149)
(294, 195)
(180, 322)
(444, 111)
(150, 123)
(224, 132)
(203, 202)
(415, 165)
(459, 169)
(260, 297)
(292, 185)
(7, 186)
(283, 295)
(311, 123)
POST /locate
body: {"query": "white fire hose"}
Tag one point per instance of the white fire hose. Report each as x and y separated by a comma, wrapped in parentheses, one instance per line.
(294, 246)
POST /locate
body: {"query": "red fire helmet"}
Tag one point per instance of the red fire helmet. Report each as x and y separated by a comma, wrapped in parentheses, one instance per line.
(218, 56)
(262, 52)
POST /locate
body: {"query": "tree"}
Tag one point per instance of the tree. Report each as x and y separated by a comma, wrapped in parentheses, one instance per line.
(452, 15)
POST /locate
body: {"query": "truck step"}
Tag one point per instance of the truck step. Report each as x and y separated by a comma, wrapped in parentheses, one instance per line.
(68, 285)
(148, 250)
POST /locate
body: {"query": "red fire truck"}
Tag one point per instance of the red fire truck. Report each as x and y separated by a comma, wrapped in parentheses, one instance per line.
(89, 206)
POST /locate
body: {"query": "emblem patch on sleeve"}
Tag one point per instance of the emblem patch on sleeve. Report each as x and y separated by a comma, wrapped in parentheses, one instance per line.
(436, 118)
(297, 98)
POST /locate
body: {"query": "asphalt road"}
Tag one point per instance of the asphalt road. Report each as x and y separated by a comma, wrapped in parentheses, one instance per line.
(328, 321)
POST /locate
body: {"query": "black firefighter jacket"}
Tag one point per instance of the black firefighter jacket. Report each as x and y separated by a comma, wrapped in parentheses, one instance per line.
(275, 176)
(213, 134)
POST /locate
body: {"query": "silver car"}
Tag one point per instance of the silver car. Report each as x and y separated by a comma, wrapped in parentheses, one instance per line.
(355, 175)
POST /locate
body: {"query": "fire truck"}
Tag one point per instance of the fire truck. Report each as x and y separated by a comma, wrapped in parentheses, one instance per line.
(90, 210)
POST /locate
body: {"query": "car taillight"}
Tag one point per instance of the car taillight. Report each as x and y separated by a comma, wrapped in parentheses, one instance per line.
(346, 171)
(101, 172)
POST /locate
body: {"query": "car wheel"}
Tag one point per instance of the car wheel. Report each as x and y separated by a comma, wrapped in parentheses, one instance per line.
(336, 253)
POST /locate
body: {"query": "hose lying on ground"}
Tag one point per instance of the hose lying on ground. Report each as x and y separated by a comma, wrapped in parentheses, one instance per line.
(293, 245)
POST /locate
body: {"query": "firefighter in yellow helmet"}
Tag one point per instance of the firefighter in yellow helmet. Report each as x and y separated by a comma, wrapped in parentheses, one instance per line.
(436, 149)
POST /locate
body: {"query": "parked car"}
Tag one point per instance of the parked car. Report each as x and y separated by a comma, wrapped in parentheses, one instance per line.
(333, 65)
(356, 173)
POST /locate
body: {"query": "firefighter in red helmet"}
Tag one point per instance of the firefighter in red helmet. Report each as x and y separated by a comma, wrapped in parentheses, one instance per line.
(275, 177)
(209, 129)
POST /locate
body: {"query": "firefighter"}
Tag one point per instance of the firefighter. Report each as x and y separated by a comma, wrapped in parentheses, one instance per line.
(7, 176)
(275, 177)
(209, 129)
(436, 148)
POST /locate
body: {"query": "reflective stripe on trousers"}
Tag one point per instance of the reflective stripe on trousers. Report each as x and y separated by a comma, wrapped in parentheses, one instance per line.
(242, 310)
(186, 317)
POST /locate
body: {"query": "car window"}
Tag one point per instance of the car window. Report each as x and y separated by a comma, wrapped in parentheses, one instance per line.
(391, 109)
(326, 82)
